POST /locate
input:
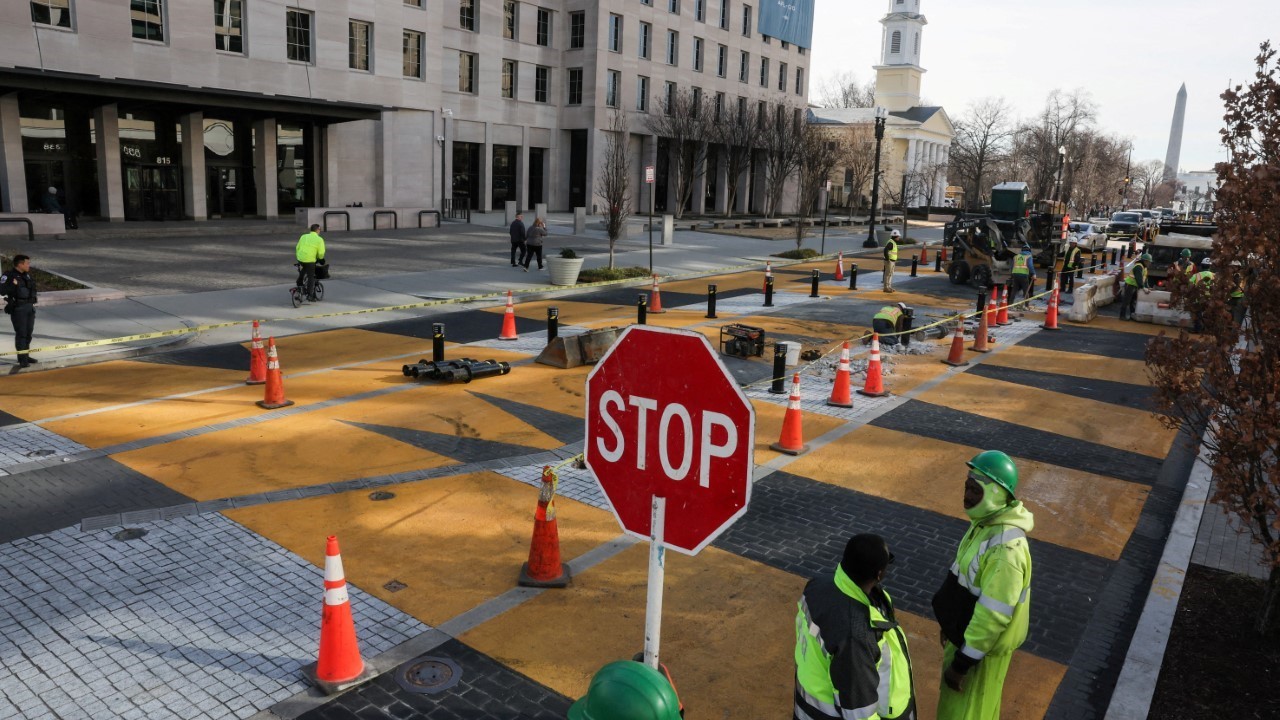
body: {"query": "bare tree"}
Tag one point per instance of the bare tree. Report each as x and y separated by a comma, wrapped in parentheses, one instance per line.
(859, 162)
(613, 185)
(983, 137)
(1146, 177)
(842, 90)
(930, 176)
(781, 137)
(1058, 125)
(685, 122)
(821, 151)
(737, 133)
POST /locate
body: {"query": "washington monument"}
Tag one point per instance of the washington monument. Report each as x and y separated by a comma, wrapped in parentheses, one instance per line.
(1175, 135)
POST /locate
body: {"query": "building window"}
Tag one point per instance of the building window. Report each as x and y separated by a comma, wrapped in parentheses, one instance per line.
(51, 12)
(916, 45)
(782, 77)
(228, 25)
(412, 54)
(673, 6)
(668, 97)
(673, 47)
(297, 30)
(646, 39)
(764, 72)
(510, 19)
(359, 36)
(575, 86)
(762, 110)
(647, 2)
(785, 44)
(541, 83)
(801, 50)
(467, 15)
(615, 33)
(895, 42)
(577, 30)
(612, 80)
(719, 107)
(697, 54)
(799, 81)
(147, 17)
(642, 94)
(544, 27)
(700, 10)
(742, 109)
(413, 3)
(722, 61)
(509, 79)
(467, 72)
(696, 105)
(744, 65)
(766, 39)
(724, 14)
(746, 21)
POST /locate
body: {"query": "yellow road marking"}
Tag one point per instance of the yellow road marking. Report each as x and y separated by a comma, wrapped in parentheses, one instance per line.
(1072, 364)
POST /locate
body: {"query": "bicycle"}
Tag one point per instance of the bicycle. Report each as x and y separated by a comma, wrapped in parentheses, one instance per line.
(297, 293)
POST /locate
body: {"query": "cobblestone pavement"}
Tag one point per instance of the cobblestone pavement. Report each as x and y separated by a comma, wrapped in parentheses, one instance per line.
(23, 443)
(1223, 544)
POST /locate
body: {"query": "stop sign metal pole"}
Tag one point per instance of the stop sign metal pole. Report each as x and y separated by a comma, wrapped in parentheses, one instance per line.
(657, 579)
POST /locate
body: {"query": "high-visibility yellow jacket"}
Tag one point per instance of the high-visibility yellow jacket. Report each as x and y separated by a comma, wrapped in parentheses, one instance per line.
(891, 251)
(310, 248)
(891, 313)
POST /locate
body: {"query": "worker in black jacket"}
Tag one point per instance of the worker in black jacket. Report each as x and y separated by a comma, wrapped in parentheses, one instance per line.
(19, 290)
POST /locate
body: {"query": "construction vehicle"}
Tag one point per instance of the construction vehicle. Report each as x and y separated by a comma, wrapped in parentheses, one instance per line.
(984, 245)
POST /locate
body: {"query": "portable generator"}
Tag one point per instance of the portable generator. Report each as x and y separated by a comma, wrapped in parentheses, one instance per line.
(741, 340)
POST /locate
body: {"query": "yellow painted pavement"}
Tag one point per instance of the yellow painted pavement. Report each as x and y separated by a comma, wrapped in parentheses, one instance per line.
(1061, 362)
(64, 391)
(769, 419)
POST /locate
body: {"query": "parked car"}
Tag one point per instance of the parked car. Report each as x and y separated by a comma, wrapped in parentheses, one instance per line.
(1091, 237)
(1150, 218)
(1125, 223)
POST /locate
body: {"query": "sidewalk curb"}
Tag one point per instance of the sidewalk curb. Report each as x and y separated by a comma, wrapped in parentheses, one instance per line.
(1136, 684)
(123, 353)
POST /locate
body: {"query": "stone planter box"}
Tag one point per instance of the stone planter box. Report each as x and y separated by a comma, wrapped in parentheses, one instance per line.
(564, 271)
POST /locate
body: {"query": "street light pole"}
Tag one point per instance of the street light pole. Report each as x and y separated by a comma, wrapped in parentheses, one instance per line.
(1057, 190)
(881, 115)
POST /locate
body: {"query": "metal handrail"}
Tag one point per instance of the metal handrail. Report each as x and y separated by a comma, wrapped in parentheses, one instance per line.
(31, 229)
(395, 220)
(430, 212)
(325, 218)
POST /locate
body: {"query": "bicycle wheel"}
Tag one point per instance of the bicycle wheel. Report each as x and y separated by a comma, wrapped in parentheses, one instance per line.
(295, 296)
(319, 291)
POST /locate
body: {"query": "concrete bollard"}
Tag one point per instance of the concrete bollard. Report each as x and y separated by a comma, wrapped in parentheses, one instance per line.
(540, 210)
(668, 229)
(510, 207)
(579, 220)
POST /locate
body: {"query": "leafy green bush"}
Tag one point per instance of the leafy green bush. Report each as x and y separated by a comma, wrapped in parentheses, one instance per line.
(568, 254)
(801, 254)
(603, 274)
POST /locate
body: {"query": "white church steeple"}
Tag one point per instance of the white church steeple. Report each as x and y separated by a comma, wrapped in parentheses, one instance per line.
(899, 73)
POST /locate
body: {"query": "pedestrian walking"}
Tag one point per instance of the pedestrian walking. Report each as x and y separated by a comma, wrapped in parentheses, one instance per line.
(890, 259)
(19, 290)
(1070, 263)
(518, 235)
(309, 251)
(984, 604)
(1136, 280)
(851, 653)
(888, 321)
(1022, 277)
(533, 242)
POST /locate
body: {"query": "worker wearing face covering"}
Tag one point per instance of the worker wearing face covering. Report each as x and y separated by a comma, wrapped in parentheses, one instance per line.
(984, 604)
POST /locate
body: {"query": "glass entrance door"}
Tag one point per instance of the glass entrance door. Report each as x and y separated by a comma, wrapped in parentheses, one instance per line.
(229, 192)
(152, 192)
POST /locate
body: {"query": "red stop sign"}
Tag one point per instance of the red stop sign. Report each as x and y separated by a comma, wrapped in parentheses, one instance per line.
(665, 418)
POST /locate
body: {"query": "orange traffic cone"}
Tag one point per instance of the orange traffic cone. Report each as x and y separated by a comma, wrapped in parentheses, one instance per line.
(955, 358)
(257, 359)
(509, 321)
(791, 441)
(924, 255)
(1051, 315)
(768, 273)
(544, 568)
(1002, 318)
(992, 313)
(840, 266)
(943, 253)
(874, 387)
(274, 396)
(981, 336)
(339, 665)
(840, 391)
(655, 298)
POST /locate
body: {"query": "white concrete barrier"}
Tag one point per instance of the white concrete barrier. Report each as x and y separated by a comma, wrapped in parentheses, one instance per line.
(41, 224)
(1087, 298)
(1148, 309)
(365, 218)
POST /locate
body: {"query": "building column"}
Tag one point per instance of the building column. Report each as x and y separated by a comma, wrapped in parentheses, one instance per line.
(522, 172)
(195, 200)
(722, 179)
(444, 147)
(648, 158)
(106, 124)
(13, 173)
(700, 187)
(265, 174)
(385, 160)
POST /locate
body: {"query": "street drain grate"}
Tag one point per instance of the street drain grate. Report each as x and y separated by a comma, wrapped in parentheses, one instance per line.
(381, 495)
(130, 534)
(43, 452)
(428, 675)
(394, 586)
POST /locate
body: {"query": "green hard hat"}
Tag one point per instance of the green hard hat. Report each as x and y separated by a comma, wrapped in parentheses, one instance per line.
(1186, 252)
(627, 690)
(1146, 256)
(997, 467)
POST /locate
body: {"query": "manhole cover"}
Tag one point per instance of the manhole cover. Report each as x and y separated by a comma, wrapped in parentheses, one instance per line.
(381, 495)
(428, 675)
(394, 586)
(130, 534)
(43, 452)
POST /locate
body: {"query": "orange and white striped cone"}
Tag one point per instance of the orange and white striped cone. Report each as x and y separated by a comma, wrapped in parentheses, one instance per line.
(924, 255)
(257, 359)
(544, 569)
(840, 396)
(273, 396)
(874, 386)
(509, 321)
(1051, 315)
(982, 335)
(955, 358)
(992, 313)
(1002, 317)
(339, 665)
(840, 266)
(768, 273)
(791, 440)
(655, 298)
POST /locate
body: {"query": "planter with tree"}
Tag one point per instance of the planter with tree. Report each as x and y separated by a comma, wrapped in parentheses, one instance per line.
(565, 268)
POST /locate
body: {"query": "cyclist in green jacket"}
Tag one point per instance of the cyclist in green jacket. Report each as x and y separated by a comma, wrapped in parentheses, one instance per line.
(309, 251)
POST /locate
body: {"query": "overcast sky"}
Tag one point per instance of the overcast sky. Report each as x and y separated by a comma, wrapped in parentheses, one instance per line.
(1130, 55)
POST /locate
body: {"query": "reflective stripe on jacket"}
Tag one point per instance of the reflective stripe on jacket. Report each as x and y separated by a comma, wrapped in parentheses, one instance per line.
(1071, 259)
(891, 251)
(310, 248)
(1204, 277)
(1137, 278)
(1021, 261)
(890, 313)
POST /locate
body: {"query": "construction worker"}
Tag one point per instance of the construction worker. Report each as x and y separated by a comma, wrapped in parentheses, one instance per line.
(309, 251)
(1133, 282)
(890, 259)
(985, 602)
(1184, 263)
(1236, 299)
(888, 321)
(1070, 262)
(1204, 279)
(851, 654)
(1023, 274)
(627, 690)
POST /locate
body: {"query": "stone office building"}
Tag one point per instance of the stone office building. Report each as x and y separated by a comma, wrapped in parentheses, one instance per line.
(195, 109)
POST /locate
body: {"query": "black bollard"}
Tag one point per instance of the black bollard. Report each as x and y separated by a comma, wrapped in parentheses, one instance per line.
(1115, 256)
(779, 369)
(915, 265)
(908, 324)
(853, 276)
(642, 309)
(937, 262)
(711, 301)
(553, 323)
(768, 292)
(813, 283)
(1080, 270)
(437, 342)
(983, 294)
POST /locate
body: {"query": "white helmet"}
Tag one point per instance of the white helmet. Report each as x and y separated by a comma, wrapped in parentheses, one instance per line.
(895, 234)
(902, 306)
(1206, 262)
